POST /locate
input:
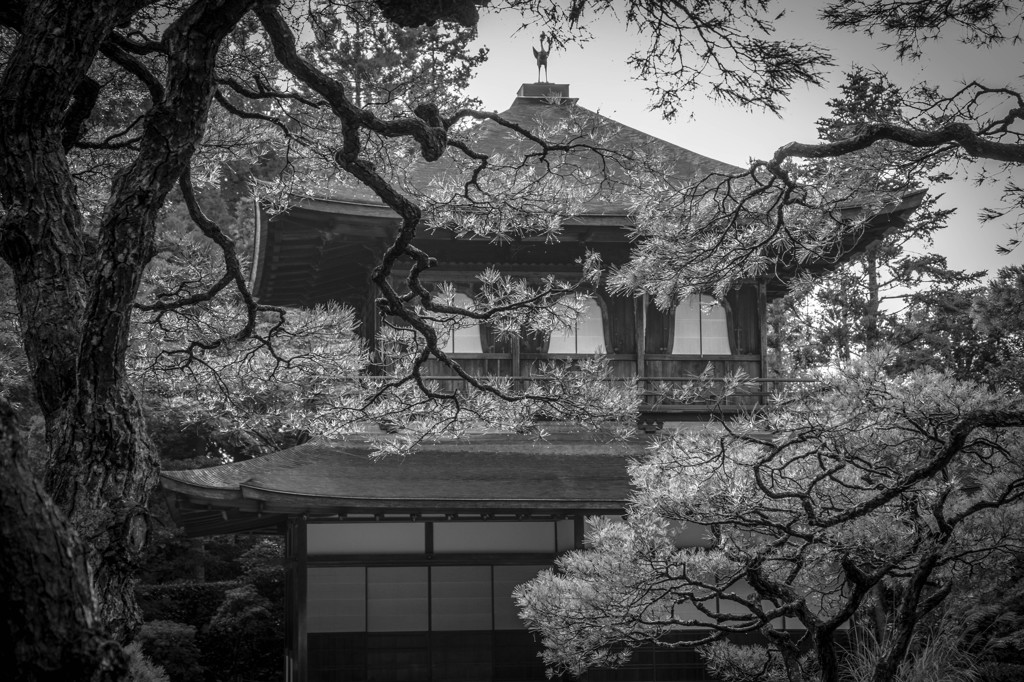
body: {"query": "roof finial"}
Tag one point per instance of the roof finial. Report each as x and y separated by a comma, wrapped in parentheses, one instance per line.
(542, 57)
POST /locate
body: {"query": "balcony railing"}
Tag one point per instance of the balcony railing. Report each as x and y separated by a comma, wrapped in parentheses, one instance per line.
(662, 374)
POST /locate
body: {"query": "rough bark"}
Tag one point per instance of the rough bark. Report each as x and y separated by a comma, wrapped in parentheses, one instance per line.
(50, 631)
(74, 314)
(42, 242)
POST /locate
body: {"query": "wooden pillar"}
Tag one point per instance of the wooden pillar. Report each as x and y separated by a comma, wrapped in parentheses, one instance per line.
(295, 600)
(289, 603)
(640, 317)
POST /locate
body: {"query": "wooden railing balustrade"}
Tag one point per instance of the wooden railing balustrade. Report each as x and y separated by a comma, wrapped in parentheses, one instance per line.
(660, 372)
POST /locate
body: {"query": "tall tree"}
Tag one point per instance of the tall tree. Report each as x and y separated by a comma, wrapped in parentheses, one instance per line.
(75, 294)
(973, 333)
(389, 66)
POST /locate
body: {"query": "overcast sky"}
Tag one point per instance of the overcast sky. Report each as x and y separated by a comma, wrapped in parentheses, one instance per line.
(599, 77)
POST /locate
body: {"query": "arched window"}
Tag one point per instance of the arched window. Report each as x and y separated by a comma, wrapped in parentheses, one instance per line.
(586, 336)
(701, 328)
(466, 337)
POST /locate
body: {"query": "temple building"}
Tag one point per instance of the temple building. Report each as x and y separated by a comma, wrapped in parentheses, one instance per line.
(404, 569)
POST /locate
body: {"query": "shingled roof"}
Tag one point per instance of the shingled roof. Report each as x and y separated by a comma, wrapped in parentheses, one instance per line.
(300, 259)
(486, 474)
(546, 110)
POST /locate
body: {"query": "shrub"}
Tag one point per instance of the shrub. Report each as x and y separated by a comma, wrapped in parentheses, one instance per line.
(190, 602)
(140, 668)
(933, 657)
(244, 638)
(264, 570)
(172, 645)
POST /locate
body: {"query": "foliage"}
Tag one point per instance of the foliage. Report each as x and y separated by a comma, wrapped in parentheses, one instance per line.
(861, 303)
(141, 669)
(190, 602)
(173, 557)
(992, 626)
(940, 657)
(998, 314)
(724, 48)
(249, 606)
(792, 209)
(910, 24)
(972, 333)
(173, 647)
(388, 68)
(911, 482)
(244, 637)
(264, 568)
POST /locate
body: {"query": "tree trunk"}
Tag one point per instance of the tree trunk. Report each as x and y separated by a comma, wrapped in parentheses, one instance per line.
(906, 617)
(50, 630)
(874, 297)
(101, 475)
(75, 315)
(100, 467)
(828, 660)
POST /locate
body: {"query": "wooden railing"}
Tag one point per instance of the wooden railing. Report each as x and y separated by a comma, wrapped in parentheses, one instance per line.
(751, 393)
(661, 374)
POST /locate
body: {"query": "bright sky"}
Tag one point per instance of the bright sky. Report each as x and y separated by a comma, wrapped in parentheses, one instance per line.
(599, 77)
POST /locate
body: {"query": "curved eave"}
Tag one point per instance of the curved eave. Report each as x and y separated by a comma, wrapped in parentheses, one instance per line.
(891, 217)
(251, 509)
(489, 475)
(285, 500)
(248, 497)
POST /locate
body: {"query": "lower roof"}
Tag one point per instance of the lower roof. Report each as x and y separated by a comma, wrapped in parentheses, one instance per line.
(483, 474)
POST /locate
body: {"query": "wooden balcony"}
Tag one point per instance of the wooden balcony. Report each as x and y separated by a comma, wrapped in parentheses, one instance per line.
(660, 372)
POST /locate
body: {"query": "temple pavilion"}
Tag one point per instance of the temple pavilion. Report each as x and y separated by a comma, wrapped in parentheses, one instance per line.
(404, 569)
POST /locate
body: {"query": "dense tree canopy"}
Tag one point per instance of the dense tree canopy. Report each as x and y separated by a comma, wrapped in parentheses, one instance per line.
(913, 483)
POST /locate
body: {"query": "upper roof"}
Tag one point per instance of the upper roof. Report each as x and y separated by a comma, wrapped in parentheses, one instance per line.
(300, 256)
(546, 110)
(487, 474)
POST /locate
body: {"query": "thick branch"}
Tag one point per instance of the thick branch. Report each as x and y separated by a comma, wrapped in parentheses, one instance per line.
(957, 134)
(113, 51)
(430, 138)
(86, 95)
(940, 458)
